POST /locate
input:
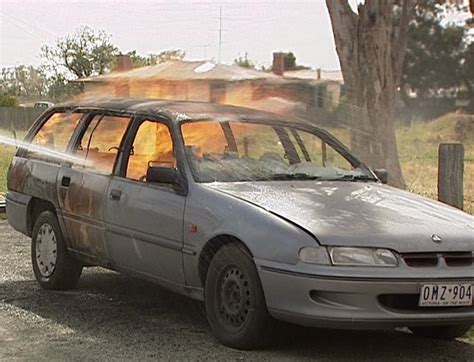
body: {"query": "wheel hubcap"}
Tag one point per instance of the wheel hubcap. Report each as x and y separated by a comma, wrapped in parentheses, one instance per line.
(46, 250)
(234, 297)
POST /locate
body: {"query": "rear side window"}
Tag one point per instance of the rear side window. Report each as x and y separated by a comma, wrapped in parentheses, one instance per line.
(153, 146)
(100, 142)
(56, 132)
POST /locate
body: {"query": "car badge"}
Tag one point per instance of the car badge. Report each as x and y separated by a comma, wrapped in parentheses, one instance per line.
(436, 238)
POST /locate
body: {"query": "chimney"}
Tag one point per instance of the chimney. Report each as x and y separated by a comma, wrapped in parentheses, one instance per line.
(278, 66)
(124, 63)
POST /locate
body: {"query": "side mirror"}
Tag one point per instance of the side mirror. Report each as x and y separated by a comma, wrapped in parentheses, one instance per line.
(162, 175)
(382, 175)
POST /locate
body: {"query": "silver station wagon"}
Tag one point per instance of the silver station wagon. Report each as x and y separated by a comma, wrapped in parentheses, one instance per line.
(261, 217)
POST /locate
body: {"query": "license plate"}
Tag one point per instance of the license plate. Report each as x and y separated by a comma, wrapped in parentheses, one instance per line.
(445, 295)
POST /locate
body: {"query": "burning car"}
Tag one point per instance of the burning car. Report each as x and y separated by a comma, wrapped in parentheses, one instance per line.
(259, 216)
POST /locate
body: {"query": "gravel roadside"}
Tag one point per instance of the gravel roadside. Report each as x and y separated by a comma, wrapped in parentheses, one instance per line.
(111, 316)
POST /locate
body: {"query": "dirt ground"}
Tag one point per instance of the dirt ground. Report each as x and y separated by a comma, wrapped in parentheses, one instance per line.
(111, 316)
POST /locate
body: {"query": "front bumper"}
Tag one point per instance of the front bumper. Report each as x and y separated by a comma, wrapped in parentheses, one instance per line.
(354, 303)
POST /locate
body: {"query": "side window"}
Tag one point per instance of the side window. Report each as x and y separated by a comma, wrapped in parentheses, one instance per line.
(321, 153)
(100, 142)
(335, 159)
(258, 141)
(56, 132)
(152, 146)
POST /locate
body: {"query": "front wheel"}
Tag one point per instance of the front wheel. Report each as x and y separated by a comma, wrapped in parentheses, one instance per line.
(441, 332)
(234, 299)
(53, 266)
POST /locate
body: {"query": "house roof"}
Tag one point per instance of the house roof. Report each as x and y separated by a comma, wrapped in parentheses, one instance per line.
(178, 70)
(184, 70)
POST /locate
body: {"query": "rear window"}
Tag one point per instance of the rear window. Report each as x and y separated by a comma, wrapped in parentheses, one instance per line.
(55, 133)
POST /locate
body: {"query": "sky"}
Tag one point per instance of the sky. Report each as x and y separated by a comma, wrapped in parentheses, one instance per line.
(149, 26)
(255, 27)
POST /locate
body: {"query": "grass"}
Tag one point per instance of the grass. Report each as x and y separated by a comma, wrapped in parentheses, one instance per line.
(470, 336)
(6, 154)
(418, 151)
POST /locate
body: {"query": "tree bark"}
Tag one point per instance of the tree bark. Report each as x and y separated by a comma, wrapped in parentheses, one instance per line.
(371, 51)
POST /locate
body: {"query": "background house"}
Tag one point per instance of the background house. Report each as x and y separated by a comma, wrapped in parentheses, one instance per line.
(312, 94)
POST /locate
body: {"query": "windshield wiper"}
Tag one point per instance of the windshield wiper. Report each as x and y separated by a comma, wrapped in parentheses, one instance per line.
(290, 176)
(352, 178)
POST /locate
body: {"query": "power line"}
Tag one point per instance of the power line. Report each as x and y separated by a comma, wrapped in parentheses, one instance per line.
(16, 20)
(22, 28)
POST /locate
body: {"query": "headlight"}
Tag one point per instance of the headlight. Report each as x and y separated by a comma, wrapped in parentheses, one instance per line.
(314, 255)
(345, 256)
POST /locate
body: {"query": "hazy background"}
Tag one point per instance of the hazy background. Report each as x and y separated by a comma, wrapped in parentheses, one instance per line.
(256, 27)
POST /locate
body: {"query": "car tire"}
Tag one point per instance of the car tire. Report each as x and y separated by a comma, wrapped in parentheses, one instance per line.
(441, 332)
(234, 299)
(53, 266)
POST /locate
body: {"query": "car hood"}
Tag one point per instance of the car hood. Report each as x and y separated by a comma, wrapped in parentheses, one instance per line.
(361, 214)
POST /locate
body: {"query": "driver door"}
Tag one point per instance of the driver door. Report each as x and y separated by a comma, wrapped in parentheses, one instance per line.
(144, 221)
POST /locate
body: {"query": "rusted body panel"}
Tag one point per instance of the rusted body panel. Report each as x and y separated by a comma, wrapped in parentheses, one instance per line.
(35, 178)
(82, 205)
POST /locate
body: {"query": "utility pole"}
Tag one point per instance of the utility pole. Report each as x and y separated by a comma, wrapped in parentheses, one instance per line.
(220, 34)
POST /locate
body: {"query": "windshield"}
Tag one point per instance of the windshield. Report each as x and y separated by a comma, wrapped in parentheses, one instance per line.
(235, 151)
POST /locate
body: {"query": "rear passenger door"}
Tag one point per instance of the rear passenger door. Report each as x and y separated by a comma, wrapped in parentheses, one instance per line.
(82, 185)
(144, 219)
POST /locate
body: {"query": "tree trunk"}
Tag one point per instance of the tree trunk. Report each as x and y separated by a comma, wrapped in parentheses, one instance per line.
(371, 51)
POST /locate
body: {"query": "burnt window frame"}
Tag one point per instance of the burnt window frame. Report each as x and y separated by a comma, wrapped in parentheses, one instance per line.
(121, 167)
(84, 125)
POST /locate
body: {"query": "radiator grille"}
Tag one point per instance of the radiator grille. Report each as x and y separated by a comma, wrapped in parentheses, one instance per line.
(430, 260)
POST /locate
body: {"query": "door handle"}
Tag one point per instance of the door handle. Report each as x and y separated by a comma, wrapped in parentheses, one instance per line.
(115, 194)
(65, 181)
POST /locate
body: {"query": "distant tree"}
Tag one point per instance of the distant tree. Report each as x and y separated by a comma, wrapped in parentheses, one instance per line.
(289, 61)
(467, 71)
(30, 84)
(7, 81)
(8, 100)
(142, 61)
(152, 59)
(175, 54)
(61, 89)
(87, 52)
(435, 51)
(25, 82)
(244, 62)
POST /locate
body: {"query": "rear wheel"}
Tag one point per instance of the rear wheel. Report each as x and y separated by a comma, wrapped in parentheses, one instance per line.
(235, 304)
(441, 332)
(53, 266)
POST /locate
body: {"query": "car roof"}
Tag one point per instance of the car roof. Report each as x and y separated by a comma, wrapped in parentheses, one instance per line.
(179, 111)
